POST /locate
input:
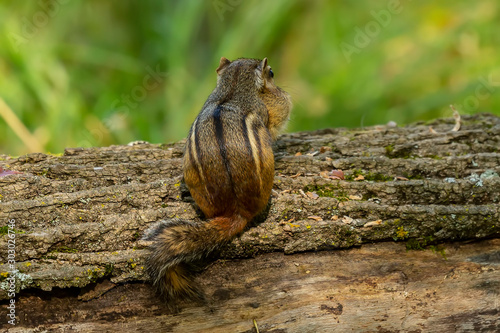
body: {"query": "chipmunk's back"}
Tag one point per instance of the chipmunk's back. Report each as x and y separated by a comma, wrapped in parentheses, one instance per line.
(229, 163)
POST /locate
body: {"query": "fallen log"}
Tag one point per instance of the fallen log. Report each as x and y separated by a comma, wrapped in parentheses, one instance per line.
(407, 241)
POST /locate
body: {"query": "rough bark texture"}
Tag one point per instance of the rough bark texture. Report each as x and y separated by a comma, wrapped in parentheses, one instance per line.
(409, 240)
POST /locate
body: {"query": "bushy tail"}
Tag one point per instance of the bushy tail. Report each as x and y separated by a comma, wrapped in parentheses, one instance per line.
(178, 244)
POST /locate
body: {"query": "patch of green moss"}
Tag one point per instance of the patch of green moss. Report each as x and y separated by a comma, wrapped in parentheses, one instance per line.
(391, 152)
(377, 177)
(355, 173)
(414, 177)
(425, 243)
(108, 269)
(414, 244)
(328, 191)
(4, 230)
(419, 243)
(435, 157)
(64, 249)
(439, 249)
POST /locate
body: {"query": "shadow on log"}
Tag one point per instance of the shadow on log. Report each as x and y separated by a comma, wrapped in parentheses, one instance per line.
(407, 242)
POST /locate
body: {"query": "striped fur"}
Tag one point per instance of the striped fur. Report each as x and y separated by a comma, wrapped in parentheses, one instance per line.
(253, 142)
(228, 168)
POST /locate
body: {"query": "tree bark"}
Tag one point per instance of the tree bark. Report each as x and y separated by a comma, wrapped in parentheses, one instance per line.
(407, 242)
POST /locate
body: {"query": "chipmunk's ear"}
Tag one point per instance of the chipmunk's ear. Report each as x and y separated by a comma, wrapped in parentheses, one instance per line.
(224, 62)
(263, 65)
(260, 71)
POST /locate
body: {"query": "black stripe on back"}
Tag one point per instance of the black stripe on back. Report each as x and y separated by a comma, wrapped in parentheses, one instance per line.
(187, 150)
(219, 135)
(197, 145)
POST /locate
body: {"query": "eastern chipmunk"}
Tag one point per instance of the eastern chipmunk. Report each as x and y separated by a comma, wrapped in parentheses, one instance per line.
(228, 168)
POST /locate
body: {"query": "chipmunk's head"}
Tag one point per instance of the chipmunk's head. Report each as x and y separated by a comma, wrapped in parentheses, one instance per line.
(250, 74)
(250, 78)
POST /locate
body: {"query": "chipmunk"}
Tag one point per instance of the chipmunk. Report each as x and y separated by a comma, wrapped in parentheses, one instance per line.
(228, 169)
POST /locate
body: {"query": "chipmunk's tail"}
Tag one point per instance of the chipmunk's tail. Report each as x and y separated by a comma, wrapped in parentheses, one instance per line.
(178, 244)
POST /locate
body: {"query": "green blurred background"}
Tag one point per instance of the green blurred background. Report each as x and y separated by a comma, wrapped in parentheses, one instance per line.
(96, 73)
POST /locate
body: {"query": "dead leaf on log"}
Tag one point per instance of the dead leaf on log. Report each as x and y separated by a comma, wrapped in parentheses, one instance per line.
(458, 120)
(334, 174)
(372, 223)
(324, 149)
(347, 219)
(312, 195)
(5, 172)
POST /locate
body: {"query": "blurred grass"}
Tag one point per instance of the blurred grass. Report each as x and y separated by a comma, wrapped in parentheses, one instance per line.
(77, 73)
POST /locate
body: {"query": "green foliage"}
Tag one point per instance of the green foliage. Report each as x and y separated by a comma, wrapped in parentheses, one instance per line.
(79, 73)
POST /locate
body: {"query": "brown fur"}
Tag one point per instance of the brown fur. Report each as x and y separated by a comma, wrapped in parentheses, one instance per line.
(228, 168)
